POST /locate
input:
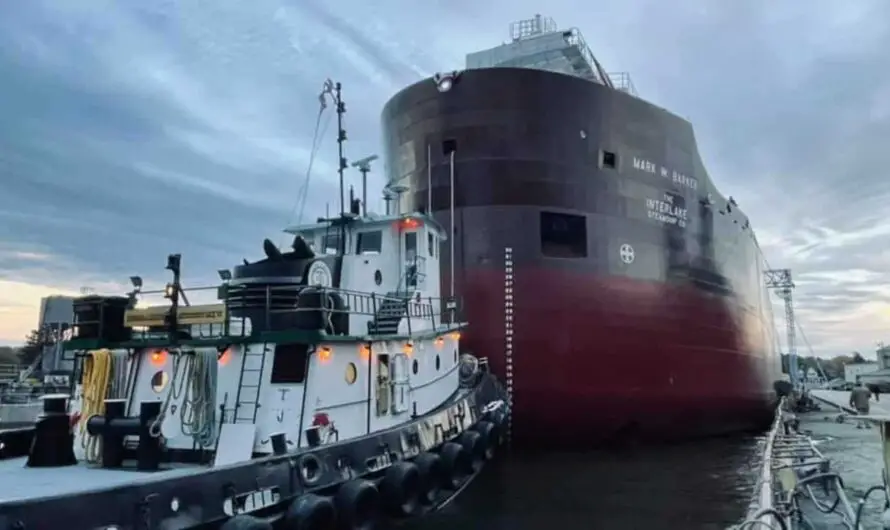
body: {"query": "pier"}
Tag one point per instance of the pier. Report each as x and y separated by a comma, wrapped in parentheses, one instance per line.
(799, 487)
(841, 399)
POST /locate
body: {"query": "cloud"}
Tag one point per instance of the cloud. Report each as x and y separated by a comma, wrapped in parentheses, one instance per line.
(131, 131)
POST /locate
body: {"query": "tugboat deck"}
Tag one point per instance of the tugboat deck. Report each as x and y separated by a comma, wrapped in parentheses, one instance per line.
(19, 483)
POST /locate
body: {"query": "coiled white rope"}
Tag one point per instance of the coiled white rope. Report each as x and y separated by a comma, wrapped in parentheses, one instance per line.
(196, 375)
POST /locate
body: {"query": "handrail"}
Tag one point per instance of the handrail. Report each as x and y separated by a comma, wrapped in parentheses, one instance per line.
(249, 309)
(764, 496)
(786, 493)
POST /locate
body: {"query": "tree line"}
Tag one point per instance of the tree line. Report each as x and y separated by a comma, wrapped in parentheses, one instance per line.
(26, 353)
(833, 367)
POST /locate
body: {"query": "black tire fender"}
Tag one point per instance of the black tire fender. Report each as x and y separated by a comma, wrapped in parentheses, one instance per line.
(358, 505)
(457, 462)
(491, 436)
(311, 512)
(401, 489)
(474, 444)
(433, 476)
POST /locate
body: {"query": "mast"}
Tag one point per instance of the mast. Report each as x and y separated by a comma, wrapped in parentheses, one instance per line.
(335, 91)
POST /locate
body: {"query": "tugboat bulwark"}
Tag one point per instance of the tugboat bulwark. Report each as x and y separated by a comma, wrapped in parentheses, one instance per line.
(322, 387)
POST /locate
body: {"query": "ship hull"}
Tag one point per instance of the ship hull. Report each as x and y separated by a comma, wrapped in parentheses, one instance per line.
(605, 277)
(588, 368)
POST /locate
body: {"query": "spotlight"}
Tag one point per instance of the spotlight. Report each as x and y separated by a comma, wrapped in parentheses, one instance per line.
(445, 81)
(173, 261)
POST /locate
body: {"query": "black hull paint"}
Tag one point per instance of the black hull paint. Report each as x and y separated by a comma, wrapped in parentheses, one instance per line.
(688, 314)
(201, 497)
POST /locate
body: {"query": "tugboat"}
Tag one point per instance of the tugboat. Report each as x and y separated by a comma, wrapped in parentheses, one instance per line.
(324, 389)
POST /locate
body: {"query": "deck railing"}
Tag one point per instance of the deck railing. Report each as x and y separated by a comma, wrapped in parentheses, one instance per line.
(245, 310)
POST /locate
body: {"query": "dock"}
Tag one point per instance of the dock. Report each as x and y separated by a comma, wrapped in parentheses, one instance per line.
(798, 486)
(841, 399)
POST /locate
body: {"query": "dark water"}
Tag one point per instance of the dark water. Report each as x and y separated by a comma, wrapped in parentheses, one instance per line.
(703, 484)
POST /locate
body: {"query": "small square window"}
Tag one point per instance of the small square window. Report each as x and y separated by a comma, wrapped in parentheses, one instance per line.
(610, 160)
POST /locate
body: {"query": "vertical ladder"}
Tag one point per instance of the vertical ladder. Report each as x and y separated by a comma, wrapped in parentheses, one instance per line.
(250, 383)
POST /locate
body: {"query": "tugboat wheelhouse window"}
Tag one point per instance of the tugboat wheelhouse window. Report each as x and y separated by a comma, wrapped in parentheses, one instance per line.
(563, 235)
(330, 243)
(289, 363)
(369, 242)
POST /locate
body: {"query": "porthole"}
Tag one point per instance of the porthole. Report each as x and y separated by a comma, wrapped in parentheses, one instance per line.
(351, 373)
(378, 277)
(438, 362)
(415, 367)
(159, 381)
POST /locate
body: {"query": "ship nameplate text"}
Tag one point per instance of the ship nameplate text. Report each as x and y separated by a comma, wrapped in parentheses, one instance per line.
(678, 178)
(667, 210)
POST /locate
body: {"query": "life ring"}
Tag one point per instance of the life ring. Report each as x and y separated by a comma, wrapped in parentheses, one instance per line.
(310, 512)
(491, 436)
(310, 467)
(433, 476)
(475, 445)
(358, 505)
(400, 489)
(457, 463)
(246, 522)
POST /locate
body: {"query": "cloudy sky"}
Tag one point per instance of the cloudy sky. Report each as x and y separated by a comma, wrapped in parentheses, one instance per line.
(129, 132)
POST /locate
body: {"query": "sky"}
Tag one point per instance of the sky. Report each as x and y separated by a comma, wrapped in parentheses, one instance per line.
(131, 130)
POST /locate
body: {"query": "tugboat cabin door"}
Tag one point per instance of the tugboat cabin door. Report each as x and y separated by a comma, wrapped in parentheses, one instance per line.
(409, 251)
(401, 388)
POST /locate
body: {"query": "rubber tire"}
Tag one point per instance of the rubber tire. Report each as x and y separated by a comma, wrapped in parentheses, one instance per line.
(491, 435)
(433, 476)
(358, 505)
(457, 462)
(311, 512)
(475, 445)
(245, 522)
(400, 489)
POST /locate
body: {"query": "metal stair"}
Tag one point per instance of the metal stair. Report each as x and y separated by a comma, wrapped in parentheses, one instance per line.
(247, 401)
(389, 315)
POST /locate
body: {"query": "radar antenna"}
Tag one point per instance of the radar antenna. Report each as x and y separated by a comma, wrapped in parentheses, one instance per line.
(364, 165)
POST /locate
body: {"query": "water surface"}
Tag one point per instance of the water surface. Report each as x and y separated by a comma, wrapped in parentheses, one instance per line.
(697, 485)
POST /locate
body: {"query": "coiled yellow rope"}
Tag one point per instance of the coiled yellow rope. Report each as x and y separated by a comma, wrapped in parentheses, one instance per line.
(96, 381)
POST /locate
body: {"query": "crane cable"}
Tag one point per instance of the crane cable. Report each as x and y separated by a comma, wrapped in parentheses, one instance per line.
(95, 382)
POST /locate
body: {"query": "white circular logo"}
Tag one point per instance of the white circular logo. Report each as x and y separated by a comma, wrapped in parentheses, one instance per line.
(627, 253)
(319, 275)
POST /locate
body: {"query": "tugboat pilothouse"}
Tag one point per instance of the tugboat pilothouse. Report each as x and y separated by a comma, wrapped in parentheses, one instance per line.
(325, 387)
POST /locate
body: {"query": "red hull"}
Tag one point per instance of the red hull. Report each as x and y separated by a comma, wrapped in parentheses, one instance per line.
(599, 359)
